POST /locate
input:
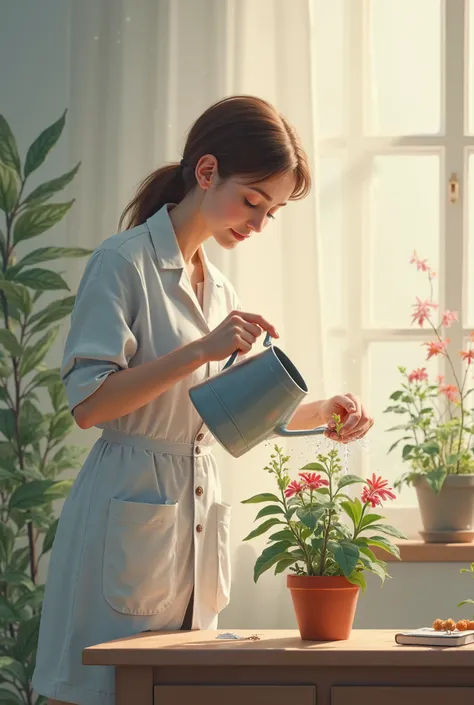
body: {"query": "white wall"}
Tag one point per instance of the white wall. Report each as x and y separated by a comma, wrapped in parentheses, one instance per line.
(34, 90)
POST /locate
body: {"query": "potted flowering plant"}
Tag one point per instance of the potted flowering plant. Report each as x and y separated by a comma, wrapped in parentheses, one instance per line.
(437, 430)
(324, 537)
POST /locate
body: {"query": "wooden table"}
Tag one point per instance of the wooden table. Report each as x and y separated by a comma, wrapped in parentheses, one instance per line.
(181, 668)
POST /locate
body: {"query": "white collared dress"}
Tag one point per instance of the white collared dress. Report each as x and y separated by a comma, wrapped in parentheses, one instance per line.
(144, 523)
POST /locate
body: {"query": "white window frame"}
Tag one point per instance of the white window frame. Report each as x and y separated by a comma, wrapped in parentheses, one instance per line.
(453, 147)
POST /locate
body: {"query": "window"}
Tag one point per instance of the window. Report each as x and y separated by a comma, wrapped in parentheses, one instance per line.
(395, 106)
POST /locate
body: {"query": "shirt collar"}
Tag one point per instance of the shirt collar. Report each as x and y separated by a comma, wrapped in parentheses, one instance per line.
(166, 247)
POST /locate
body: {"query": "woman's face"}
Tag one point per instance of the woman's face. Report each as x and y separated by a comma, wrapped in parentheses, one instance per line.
(234, 210)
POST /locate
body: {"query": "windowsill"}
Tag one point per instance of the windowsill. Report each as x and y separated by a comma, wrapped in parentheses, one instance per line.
(421, 552)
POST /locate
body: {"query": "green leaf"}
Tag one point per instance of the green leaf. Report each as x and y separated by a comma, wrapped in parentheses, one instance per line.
(41, 279)
(36, 220)
(316, 467)
(45, 378)
(285, 535)
(394, 445)
(49, 536)
(17, 295)
(31, 600)
(396, 395)
(36, 353)
(9, 188)
(57, 393)
(49, 188)
(388, 529)
(52, 313)
(264, 497)
(357, 578)
(262, 528)
(271, 555)
(41, 146)
(9, 342)
(353, 509)
(7, 611)
(12, 668)
(27, 638)
(16, 578)
(435, 478)
(8, 697)
(346, 555)
(8, 149)
(62, 424)
(265, 511)
(396, 410)
(46, 254)
(349, 480)
(466, 602)
(32, 423)
(377, 567)
(385, 544)
(368, 519)
(430, 447)
(7, 542)
(284, 563)
(407, 450)
(38, 492)
(7, 423)
(310, 516)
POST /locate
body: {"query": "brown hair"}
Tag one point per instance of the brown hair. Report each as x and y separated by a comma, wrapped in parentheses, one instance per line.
(248, 137)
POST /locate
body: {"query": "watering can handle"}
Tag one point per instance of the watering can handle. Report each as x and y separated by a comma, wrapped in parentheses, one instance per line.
(267, 342)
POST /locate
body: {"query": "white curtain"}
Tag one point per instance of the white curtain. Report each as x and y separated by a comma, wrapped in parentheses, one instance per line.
(142, 71)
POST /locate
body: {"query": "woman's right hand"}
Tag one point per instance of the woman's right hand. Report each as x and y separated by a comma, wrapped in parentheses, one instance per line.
(238, 331)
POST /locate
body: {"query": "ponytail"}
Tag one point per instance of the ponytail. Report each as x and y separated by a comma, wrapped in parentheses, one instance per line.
(165, 185)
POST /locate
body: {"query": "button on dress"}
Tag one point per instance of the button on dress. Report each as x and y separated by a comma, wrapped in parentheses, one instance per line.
(143, 526)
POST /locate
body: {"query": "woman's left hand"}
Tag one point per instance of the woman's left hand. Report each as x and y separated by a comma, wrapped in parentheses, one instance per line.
(355, 419)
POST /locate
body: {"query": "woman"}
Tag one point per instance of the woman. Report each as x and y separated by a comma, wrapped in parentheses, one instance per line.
(142, 542)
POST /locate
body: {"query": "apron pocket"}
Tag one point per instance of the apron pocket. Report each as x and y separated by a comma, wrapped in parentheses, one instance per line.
(139, 565)
(223, 556)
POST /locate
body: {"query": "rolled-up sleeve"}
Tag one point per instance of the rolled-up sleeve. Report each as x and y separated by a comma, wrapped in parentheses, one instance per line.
(100, 339)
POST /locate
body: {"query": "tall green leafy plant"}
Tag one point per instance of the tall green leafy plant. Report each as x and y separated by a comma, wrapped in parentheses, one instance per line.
(34, 416)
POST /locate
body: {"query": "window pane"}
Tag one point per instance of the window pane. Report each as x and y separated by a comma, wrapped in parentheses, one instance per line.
(384, 378)
(470, 67)
(470, 236)
(405, 67)
(329, 57)
(405, 216)
(330, 210)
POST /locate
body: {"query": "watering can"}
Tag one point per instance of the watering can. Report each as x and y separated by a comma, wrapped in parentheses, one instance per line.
(246, 404)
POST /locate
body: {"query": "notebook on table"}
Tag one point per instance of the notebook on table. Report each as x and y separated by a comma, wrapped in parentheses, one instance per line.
(427, 636)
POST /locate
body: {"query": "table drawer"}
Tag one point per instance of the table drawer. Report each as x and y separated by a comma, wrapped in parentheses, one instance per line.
(235, 695)
(401, 695)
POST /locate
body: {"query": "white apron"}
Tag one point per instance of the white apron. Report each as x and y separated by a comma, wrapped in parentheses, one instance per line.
(144, 523)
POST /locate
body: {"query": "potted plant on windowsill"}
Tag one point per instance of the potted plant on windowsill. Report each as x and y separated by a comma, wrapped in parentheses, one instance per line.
(437, 431)
(324, 538)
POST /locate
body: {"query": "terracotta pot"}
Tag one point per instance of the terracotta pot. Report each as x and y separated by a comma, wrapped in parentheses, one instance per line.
(324, 606)
(448, 516)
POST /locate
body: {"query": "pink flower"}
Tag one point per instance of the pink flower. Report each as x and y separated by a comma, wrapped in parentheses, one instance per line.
(467, 355)
(418, 375)
(293, 488)
(313, 481)
(376, 491)
(422, 310)
(450, 391)
(448, 318)
(431, 274)
(420, 263)
(438, 347)
(440, 379)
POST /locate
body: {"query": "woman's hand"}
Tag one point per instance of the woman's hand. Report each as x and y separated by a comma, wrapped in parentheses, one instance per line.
(238, 331)
(355, 419)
